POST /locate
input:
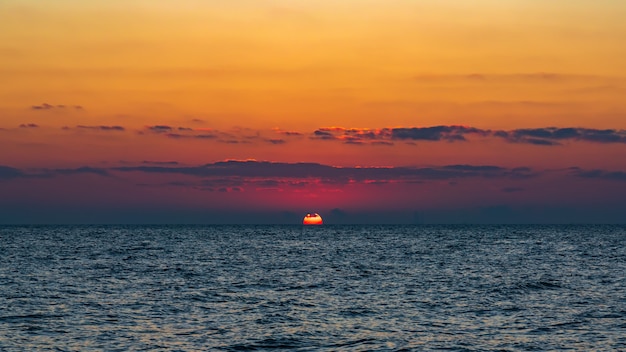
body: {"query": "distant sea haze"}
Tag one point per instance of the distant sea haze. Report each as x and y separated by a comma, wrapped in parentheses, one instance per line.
(312, 288)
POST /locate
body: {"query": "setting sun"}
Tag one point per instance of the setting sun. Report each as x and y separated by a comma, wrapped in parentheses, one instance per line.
(312, 219)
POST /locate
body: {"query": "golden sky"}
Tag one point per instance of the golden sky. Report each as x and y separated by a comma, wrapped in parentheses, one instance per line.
(109, 83)
(316, 63)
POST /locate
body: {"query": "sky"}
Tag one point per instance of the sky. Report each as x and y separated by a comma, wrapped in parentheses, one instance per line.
(260, 111)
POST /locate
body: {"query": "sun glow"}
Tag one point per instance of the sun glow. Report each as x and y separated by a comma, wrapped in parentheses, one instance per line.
(312, 219)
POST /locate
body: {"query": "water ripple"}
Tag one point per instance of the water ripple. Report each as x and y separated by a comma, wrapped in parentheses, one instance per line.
(343, 288)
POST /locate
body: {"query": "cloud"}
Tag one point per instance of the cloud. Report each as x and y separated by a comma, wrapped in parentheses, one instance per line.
(436, 133)
(389, 136)
(168, 163)
(486, 168)
(287, 133)
(159, 128)
(102, 128)
(171, 129)
(552, 135)
(7, 173)
(235, 176)
(319, 134)
(333, 174)
(276, 141)
(600, 174)
(549, 136)
(529, 77)
(537, 141)
(176, 135)
(355, 136)
(186, 136)
(80, 170)
(386, 136)
(237, 136)
(46, 106)
(182, 132)
(205, 136)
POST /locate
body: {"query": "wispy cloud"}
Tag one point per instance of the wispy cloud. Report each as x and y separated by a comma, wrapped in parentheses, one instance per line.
(385, 136)
(276, 141)
(264, 169)
(549, 136)
(8, 173)
(554, 134)
(80, 170)
(235, 136)
(252, 175)
(160, 128)
(194, 136)
(152, 162)
(46, 106)
(287, 133)
(435, 133)
(600, 174)
(102, 128)
(528, 77)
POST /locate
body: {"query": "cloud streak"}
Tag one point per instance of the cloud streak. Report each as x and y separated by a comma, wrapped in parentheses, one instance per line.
(236, 136)
(549, 136)
(600, 174)
(102, 128)
(386, 136)
(529, 77)
(8, 173)
(265, 169)
(46, 106)
(553, 135)
(234, 173)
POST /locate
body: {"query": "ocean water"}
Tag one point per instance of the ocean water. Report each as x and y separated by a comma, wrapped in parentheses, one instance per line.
(330, 288)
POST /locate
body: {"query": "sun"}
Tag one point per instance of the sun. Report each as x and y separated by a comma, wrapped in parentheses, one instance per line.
(312, 219)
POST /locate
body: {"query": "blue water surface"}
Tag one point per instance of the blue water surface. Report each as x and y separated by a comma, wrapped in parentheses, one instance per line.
(330, 288)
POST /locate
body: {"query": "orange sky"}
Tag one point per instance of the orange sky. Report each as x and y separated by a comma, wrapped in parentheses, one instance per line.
(84, 83)
(310, 64)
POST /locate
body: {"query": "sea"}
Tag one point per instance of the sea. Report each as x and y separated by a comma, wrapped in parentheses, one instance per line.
(326, 288)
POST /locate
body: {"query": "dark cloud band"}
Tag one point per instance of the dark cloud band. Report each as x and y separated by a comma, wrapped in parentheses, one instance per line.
(549, 136)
